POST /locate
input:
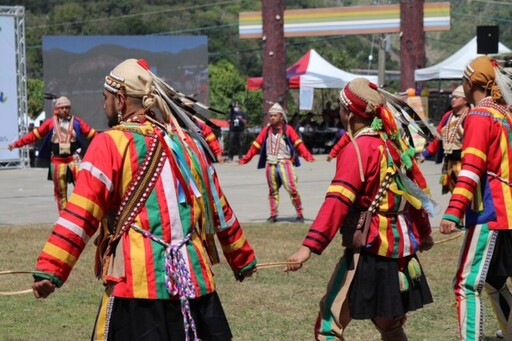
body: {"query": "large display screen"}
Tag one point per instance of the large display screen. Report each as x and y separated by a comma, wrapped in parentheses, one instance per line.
(76, 66)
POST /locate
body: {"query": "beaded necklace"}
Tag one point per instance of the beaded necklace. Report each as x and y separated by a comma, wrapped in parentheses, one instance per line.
(365, 131)
(451, 129)
(488, 102)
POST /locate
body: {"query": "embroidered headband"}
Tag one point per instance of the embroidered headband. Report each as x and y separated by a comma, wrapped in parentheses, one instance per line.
(361, 97)
(482, 72)
(278, 108)
(62, 102)
(459, 92)
(133, 76)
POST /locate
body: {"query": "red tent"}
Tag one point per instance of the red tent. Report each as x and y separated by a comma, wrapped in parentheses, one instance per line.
(220, 123)
(313, 71)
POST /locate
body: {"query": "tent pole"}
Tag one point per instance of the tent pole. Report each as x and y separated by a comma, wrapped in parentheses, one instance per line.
(322, 108)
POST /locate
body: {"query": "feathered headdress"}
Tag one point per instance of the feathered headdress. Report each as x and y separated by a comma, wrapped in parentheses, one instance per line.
(136, 78)
(367, 100)
(504, 81)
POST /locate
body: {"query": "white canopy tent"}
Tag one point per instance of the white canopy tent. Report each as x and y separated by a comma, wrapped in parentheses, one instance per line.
(312, 71)
(453, 67)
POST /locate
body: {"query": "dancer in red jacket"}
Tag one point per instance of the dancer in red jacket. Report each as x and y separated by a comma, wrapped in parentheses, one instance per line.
(278, 145)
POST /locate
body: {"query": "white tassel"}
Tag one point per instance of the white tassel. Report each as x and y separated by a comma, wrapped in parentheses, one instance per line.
(504, 81)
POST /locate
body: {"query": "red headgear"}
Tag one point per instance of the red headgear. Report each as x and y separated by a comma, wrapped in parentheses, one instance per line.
(360, 97)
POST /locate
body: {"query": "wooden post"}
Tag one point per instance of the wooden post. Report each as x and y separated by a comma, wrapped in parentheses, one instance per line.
(412, 41)
(382, 59)
(275, 84)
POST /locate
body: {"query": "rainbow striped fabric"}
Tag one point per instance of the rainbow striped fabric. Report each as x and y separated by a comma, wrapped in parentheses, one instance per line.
(400, 222)
(346, 20)
(486, 148)
(180, 206)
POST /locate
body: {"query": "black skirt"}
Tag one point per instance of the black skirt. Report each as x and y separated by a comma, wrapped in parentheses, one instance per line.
(501, 262)
(375, 289)
(154, 320)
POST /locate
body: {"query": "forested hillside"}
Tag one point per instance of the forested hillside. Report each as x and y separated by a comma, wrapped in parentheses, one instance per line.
(231, 59)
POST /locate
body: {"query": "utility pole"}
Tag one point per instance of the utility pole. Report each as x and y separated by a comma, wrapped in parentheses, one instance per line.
(412, 41)
(275, 84)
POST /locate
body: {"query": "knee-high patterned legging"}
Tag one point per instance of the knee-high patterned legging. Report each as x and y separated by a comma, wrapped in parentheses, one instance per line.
(59, 168)
(282, 173)
(472, 270)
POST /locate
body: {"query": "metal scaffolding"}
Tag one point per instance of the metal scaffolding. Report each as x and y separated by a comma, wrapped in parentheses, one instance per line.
(18, 12)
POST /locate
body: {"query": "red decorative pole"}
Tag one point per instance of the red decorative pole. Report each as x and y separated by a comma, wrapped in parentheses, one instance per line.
(275, 85)
(412, 49)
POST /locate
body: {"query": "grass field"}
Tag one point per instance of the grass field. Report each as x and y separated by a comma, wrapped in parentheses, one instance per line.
(270, 306)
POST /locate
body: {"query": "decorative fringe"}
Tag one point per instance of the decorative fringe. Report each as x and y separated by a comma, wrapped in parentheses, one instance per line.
(414, 269)
(407, 156)
(415, 191)
(403, 110)
(403, 281)
(443, 180)
(376, 124)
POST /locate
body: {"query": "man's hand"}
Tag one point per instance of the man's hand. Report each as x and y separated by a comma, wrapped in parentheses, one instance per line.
(421, 159)
(10, 147)
(329, 158)
(243, 161)
(448, 226)
(426, 243)
(43, 289)
(247, 273)
(299, 257)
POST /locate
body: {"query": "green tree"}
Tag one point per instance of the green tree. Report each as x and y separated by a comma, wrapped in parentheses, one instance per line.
(35, 92)
(227, 85)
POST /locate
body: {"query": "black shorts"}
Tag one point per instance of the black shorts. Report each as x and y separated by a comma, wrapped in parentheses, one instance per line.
(162, 320)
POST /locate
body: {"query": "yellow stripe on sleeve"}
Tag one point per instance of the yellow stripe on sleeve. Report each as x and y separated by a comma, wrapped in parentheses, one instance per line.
(59, 253)
(234, 246)
(343, 191)
(87, 205)
(476, 152)
(463, 192)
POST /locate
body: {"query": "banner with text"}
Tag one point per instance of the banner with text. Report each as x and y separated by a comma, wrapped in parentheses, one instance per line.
(8, 89)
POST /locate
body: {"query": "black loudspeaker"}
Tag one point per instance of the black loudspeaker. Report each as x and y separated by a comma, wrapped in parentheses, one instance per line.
(487, 39)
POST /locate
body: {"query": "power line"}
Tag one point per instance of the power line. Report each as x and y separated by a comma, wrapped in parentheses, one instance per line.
(217, 54)
(197, 29)
(498, 19)
(494, 2)
(133, 15)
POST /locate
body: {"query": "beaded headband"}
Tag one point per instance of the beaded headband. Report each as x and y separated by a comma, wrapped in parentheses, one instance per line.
(113, 83)
(354, 103)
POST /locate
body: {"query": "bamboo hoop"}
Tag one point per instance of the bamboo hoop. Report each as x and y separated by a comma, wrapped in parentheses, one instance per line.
(18, 272)
(271, 265)
(449, 238)
(14, 293)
